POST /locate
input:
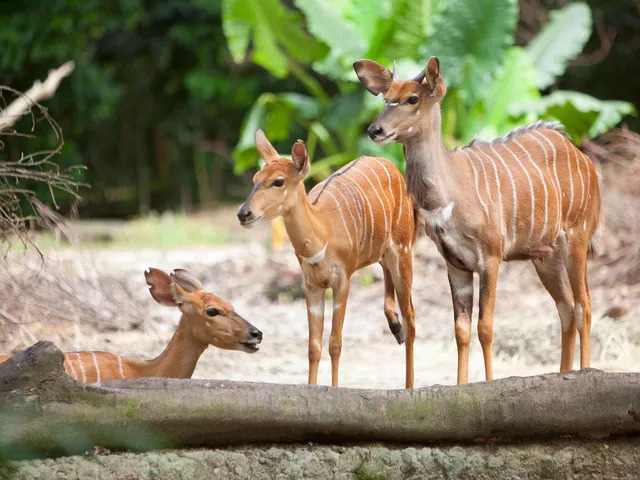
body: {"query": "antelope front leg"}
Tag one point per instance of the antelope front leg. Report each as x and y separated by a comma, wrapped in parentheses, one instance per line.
(488, 282)
(461, 284)
(315, 315)
(340, 296)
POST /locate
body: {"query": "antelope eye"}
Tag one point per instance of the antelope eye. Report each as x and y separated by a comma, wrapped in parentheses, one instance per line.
(212, 312)
(278, 183)
(412, 100)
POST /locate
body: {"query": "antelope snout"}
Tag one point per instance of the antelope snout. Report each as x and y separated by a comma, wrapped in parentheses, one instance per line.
(375, 131)
(244, 214)
(256, 334)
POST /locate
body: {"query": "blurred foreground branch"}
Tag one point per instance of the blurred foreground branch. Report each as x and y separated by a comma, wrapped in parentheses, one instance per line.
(43, 411)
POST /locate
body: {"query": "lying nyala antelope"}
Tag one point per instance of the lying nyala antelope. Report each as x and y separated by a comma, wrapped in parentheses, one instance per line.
(358, 216)
(528, 195)
(206, 320)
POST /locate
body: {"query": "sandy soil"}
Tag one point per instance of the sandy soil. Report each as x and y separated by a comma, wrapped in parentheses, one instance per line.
(527, 329)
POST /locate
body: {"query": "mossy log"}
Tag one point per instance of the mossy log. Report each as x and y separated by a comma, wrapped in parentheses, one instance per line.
(44, 412)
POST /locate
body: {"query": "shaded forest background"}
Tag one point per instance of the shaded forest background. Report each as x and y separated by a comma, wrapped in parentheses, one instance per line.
(164, 93)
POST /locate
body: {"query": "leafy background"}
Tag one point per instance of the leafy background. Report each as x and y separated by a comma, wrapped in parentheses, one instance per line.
(166, 95)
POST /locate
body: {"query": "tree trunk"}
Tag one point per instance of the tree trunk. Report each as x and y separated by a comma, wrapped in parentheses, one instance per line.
(44, 411)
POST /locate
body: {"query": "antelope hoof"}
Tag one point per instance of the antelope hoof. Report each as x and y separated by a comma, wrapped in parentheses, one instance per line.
(397, 330)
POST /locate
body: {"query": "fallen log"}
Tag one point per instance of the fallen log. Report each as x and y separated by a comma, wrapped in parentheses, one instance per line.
(44, 412)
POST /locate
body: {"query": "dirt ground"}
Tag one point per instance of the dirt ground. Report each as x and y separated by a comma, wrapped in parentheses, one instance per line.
(128, 322)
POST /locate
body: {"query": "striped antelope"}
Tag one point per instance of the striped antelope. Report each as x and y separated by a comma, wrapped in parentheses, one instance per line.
(358, 216)
(206, 320)
(528, 195)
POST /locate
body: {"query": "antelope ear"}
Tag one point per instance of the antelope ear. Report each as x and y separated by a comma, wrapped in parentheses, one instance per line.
(187, 280)
(300, 158)
(161, 287)
(373, 76)
(265, 149)
(434, 79)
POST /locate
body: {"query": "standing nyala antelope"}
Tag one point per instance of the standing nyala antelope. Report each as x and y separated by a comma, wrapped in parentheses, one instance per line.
(528, 195)
(358, 216)
(206, 320)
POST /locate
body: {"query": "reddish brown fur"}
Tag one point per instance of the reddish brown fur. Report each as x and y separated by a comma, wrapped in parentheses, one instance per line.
(359, 216)
(195, 332)
(529, 195)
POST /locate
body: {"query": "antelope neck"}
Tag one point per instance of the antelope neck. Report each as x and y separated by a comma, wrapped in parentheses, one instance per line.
(179, 358)
(303, 226)
(429, 172)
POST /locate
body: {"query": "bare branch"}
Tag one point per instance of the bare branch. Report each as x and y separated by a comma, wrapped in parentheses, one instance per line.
(38, 92)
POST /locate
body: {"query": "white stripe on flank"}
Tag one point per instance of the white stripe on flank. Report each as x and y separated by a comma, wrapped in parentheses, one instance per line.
(586, 162)
(384, 167)
(503, 227)
(366, 199)
(514, 234)
(346, 229)
(120, 369)
(562, 137)
(532, 196)
(348, 204)
(575, 151)
(544, 185)
(384, 193)
(95, 364)
(403, 196)
(84, 373)
(359, 206)
(555, 172)
(68, 360)
(475, 178)
(384, 213)
(484, 173)
(553, 184)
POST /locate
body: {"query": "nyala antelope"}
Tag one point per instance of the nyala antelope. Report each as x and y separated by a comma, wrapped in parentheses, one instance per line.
(528, 195)
(206, 320)
(358, 216)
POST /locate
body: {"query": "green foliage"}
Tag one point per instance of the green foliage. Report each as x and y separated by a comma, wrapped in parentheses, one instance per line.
(581, 115)
(275, 31)
(492, 86)
(560, 40)
(471, 39)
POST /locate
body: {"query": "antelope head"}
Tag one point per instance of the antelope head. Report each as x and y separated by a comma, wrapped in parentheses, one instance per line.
(211, 320)
(410, 105)
(276, 185)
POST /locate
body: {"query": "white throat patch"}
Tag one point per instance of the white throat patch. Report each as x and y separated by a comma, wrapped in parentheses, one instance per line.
(439, 216)
(318, 257)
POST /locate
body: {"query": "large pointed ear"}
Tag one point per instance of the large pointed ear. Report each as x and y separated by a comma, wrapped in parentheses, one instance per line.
(300, 158)
(187, 280)
(373, 76)
(434, 80)
(161, 287)
(265, 149)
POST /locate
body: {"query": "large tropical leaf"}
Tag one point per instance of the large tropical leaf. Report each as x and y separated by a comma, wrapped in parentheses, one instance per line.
(580, 114)
(470, 39)
(277, 114)
(514, 83)
(402, 33)
(559, 41)
(276, 33)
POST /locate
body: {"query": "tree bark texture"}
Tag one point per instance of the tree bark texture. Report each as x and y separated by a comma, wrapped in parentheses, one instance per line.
(44, 412)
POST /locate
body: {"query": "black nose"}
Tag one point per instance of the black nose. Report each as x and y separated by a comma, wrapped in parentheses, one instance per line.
(244, 214)
(255, 333)
(374, 130)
